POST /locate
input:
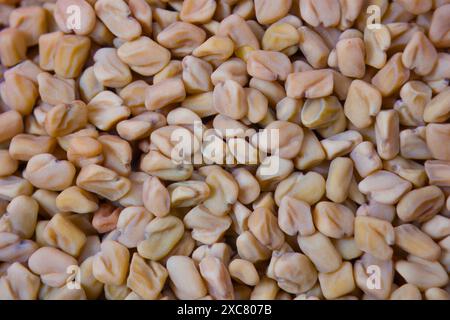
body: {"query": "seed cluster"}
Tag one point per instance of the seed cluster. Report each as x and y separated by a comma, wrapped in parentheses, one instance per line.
(350, 201)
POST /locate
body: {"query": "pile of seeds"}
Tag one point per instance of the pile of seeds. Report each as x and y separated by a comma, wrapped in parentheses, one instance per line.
(135, 161)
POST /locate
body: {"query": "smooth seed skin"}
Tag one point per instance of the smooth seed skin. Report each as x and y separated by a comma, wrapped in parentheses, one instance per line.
(338, 283)
(243, 271)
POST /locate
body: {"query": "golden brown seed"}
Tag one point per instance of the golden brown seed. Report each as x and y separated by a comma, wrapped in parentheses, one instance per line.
(435, 135)
(24, 146)
(19, 93)
(374, 236)
(197, 11)
(186, 281)
(337, 283)
(309, 84)
(313, 47)
(31, 20)
(47, 47)
(438, 109)
(406, 292)
(217, 278)
(110, 265)
(144, 56)
(268, 65)
(131, 225)
(376, 42)
(156, 197)
(117, 154)
(105, 218)
(20, 217)
(321, 251)
(239, 31)
(415, 96)
(53, 272)
(101, 34)
(106, 109)
(71, 53)
(333, 220)
(230, 99)
(85, 150)
(63, 234)
(407, 169)
(350, 57)
(264, 226)
(249, 188)
(266, 289)
(206, 227)
(309, 187)
(293, 271)
(15, 249)
(47, 172)
(76, 200)
(249, 248)
(181, 38)
(13, 46)
(109, 70)
(243, 271)
(223, 191)
(92, 287)
(196, 75)
(103, 181)
(413, 144)
(288, 109)
(157, 164)
(422, 273)
(387, 134)
(363, 269)
(161, 235)
(187, 193)
(147, 279)
(365, 159)
(11, 124)
(89, 85)
(311, 152)
(64, 119)
(13, 186)
(64, 20)
(347, 248)
(326, 12)
(294, 216)
(280, 37)
(438, 32)
(339, 178)
(8, 165)
(321, 112)
(392, 76)
(216, 49)
(419, 55)
(116, 15)
(409, 238)
(164, 93)
(384, 186)
(362, 104)
(436, 294)
(281, 138)
(341, 143)
(421, 204)
(55, 90)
